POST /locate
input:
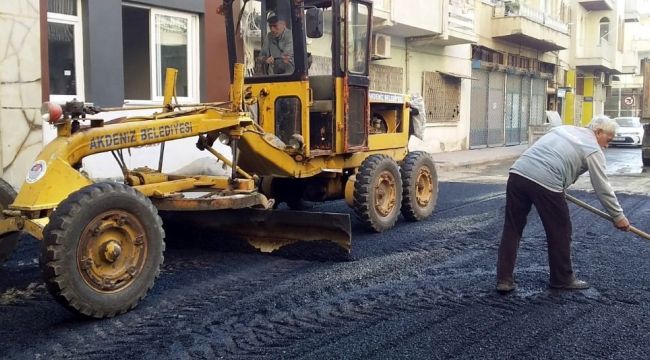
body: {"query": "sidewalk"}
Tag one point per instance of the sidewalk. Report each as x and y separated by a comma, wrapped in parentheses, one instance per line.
(468, 158)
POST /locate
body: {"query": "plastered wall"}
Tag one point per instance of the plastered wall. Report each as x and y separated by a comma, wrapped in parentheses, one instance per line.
(21, 136)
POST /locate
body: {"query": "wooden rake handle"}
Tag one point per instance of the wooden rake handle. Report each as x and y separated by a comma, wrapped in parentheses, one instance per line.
(583, 204)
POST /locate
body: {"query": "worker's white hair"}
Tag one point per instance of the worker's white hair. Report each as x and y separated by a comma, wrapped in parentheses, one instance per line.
(604, 123)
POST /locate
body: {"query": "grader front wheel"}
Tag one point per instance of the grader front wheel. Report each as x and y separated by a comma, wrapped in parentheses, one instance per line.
(420, 182)
(102, 250)
(378, 192)
(8, 241)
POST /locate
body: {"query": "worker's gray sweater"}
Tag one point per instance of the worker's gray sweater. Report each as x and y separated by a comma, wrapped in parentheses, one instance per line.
(559, 157)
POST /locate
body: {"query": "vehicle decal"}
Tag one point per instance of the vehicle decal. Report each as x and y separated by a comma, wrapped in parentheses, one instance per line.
(36, 172)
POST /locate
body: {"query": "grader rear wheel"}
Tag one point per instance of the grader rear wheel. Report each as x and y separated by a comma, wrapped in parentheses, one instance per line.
(378, 192)
(420, 186)
(9, 241)
(102, 250)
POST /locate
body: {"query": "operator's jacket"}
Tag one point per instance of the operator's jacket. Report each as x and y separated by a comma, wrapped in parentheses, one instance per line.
(276, 47)
(559, 157)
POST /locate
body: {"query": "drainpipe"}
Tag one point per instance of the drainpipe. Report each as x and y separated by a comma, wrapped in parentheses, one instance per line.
(406, 66)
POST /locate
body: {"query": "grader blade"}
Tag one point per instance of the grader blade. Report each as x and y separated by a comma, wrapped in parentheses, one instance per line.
(292, 233)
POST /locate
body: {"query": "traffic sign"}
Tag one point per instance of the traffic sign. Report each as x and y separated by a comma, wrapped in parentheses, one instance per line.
(628, 100)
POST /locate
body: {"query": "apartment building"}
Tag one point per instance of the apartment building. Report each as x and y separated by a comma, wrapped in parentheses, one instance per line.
(486, 69)
(625, 96)
(596, 55)
(112, 52)
(515, 67)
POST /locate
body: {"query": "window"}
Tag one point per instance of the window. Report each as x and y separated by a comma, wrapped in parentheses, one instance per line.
(287, 117)
(580, 85)
(357, 34)
(441, 96)
(604, 31)
(65, 52)
(268, 38)
(154, 40)
(628, 122)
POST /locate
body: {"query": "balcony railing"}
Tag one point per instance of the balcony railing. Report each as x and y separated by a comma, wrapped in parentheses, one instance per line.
(602, 51)
(530, 14)
(381, 5)
(461, 15)
(537, 16)
(556, 24)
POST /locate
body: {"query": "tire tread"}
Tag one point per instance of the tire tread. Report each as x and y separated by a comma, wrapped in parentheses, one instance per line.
(53, 251)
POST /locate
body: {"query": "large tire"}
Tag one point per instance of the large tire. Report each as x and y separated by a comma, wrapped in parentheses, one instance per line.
(9, 241)
(420, 186)
(102, 250)
(378, 192)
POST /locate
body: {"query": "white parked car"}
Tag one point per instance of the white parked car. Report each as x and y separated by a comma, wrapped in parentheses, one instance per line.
(630, 131)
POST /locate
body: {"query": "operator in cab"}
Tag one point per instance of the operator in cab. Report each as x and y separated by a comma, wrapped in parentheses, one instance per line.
(277, 52)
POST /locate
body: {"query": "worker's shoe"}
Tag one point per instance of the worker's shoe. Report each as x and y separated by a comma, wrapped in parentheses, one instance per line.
(573, 285)
(505, 286)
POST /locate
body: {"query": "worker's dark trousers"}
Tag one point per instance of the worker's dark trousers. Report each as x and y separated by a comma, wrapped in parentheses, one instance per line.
(521, 193)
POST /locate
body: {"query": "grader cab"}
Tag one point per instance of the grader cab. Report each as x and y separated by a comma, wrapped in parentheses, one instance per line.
(297, 131)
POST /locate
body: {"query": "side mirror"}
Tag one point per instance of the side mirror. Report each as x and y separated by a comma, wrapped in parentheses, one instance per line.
(314, 22)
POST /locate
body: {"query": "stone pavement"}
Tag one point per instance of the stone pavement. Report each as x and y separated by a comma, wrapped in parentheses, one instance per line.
(468, 158)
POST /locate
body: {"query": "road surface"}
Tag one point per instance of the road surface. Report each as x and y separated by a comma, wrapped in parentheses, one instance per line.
(422, 290)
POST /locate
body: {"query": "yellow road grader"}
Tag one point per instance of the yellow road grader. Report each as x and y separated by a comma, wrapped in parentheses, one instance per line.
(294, 136)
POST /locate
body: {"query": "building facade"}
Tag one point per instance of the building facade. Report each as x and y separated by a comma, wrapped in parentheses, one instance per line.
(487, 70)
(20, 87)
(515, 66)
(626, 92)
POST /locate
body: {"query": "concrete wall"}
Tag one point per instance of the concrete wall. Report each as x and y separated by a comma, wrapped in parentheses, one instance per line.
(420, 14)
(453, 59)
(20, 88)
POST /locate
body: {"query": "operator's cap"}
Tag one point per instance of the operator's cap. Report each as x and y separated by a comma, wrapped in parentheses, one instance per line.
(273, 19)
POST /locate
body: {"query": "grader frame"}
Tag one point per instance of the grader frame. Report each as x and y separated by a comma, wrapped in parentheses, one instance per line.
(102, 243)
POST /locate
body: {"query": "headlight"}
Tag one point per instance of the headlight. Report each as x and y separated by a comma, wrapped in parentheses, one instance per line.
(51, 112)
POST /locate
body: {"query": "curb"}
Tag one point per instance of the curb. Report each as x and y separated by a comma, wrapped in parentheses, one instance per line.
(469, 164)
(464, 159)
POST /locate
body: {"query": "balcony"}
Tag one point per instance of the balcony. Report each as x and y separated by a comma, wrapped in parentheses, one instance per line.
(631, 62)
(420, 18)
(458, 26)
(381, 14)
(597, 5)
(530, 28)
(632, 11)
(602, 57)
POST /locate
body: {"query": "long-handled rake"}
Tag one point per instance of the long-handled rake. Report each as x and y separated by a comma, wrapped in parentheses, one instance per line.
(603, 215)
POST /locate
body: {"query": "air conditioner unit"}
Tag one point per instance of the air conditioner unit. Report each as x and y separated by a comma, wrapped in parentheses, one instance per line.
(380, 46)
